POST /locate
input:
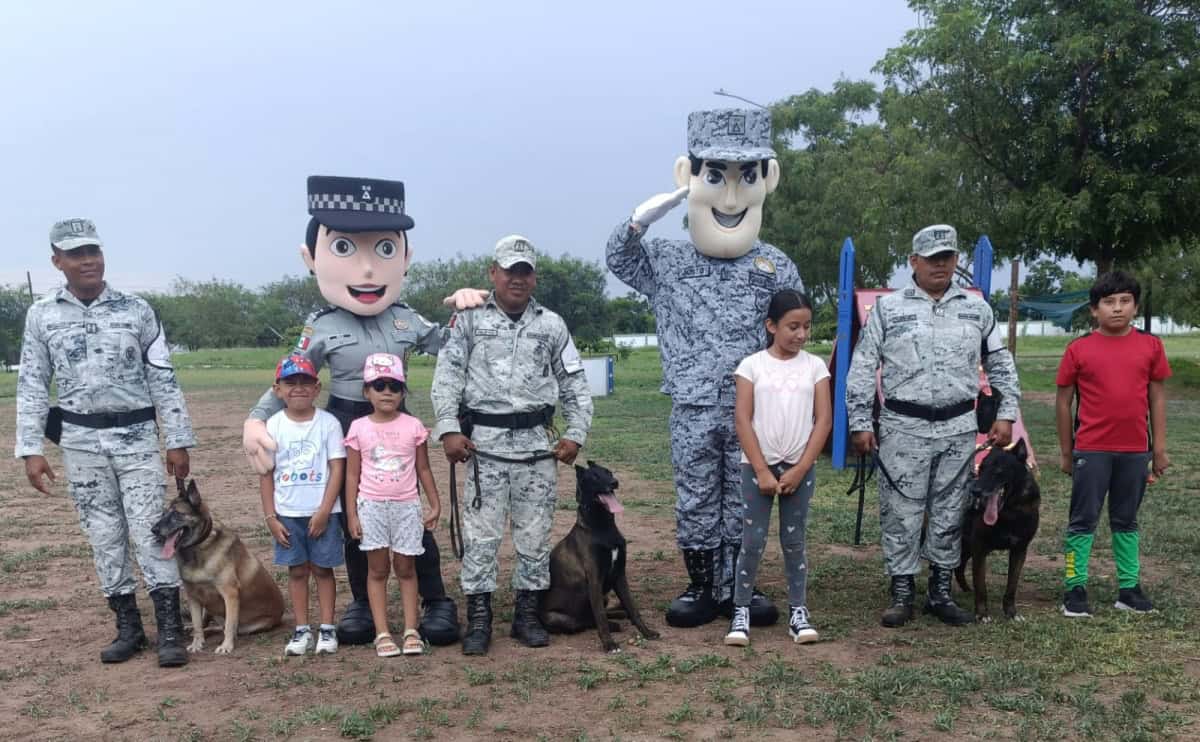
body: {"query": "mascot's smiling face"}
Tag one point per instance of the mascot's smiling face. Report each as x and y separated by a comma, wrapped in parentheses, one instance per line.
(361, 272)
(725, 202)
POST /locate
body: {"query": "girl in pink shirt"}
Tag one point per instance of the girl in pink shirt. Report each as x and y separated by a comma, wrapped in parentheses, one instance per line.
(385, 456)
(783, 416)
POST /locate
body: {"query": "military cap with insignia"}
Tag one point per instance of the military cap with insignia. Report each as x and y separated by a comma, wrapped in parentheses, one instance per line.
(730, 134)
(72, 233)
(358, 204)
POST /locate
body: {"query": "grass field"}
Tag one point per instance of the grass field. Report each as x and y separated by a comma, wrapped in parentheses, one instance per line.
(1115, 676)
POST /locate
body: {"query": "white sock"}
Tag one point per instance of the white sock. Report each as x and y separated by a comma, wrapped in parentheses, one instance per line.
(327, 627)
(304, 628)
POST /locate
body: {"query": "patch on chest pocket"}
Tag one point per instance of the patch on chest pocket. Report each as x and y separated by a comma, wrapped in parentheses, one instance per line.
(762, 280)
(695, 271)
(969, 316)
(486, 333)
(131, 356)
(903, 318)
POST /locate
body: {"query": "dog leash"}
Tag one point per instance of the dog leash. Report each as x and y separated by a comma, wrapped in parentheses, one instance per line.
(457, 545)
(878, 462)
(863, 471)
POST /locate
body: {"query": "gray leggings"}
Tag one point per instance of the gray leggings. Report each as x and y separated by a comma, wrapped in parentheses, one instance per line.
(793, 516)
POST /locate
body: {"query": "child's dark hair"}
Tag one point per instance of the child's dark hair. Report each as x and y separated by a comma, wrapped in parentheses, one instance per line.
(784, 301)
(402, 407)
(1116, 282)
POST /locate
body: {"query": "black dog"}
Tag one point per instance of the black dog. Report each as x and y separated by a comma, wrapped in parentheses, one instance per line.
(1004, 518)
(588, 563)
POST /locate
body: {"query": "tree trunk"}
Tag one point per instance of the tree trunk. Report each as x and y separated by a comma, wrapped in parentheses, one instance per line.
(1147, 309)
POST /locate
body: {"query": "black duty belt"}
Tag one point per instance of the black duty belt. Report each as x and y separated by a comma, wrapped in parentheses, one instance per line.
(515, 421)
(925, 412)
(108, 419)
(349, 406)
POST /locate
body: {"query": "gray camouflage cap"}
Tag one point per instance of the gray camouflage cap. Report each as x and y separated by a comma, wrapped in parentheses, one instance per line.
(730, 134)
(934, 239)
(515, 249)
(72, 233)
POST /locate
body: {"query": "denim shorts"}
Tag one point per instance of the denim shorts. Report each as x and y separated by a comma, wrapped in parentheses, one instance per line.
(326, 551)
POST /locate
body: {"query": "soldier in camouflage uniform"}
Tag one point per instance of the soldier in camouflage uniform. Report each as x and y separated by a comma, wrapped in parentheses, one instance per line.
(710, 299)
(357, 246)
(927, 340)
(108, 356)
(503, 369)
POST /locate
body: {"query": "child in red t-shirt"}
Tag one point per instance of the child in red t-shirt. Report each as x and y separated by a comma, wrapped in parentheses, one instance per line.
(1118, 373)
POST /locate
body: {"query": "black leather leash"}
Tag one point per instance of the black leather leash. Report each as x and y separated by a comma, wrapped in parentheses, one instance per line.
(456, 535)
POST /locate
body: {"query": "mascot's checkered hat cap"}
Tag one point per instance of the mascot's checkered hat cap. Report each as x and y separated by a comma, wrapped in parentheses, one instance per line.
(730, 134)
(358, 204)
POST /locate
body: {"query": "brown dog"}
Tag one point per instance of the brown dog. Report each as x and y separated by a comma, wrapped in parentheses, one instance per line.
(220, 577)
(589, 562)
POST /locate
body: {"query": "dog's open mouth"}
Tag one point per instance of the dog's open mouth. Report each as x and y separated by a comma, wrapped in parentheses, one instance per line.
(609, 501)
(168, 547)
(991, 511)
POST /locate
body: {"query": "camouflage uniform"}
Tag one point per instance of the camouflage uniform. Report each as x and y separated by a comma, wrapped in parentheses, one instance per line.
(929, 354)
(109, 356)
(493, 365)
(709, 314)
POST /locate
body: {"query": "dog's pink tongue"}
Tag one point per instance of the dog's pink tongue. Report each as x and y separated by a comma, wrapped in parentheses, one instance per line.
(168, 549)
(992, 512)
(610, 502)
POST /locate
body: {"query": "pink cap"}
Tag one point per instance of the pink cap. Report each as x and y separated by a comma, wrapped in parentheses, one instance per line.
(383, 366)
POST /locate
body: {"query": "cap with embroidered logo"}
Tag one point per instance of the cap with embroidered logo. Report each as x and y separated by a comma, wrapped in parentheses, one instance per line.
(934, 239)
(730, 134)
(72, 233)
(515, 249)
(294, 366)
(383, 366)
(357, 204)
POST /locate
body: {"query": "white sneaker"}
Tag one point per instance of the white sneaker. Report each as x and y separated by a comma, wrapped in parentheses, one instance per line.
(327, 641)
(799, 628)
(301, 642)
(739, 627)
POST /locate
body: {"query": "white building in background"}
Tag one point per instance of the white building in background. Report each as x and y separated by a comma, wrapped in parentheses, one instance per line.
(1045, 328)
(636, 341)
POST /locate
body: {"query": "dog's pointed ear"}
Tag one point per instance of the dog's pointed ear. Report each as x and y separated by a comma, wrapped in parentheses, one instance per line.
(591, 463)
(193, 494)
(1020, 451)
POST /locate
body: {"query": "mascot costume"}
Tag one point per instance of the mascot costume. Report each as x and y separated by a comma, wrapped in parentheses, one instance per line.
(709, 298)
(357, 246)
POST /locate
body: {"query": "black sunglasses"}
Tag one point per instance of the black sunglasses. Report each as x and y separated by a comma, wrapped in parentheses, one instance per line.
(389, 384)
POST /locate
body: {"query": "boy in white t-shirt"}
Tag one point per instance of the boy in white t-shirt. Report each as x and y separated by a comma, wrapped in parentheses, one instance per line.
(300, 499)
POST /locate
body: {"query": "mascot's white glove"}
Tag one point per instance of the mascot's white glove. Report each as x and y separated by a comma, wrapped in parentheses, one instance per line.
(466, 299)
(655, 207)
(258, 445)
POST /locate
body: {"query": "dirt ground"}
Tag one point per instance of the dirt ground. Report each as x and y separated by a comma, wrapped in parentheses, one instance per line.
(54, 621)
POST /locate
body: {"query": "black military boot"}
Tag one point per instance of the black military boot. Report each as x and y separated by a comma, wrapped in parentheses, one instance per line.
(356, 625)
(900, 612)
(171, 652)
(526, 626)
(131, 637)
(696, 606)
(940, 601)
(439, 614)
(479, 624)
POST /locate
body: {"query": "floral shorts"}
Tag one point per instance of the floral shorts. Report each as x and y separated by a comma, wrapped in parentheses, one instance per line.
(394, 524)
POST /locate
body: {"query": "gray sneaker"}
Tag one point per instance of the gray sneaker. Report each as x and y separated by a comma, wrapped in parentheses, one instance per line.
(301, 642)
(799, 628)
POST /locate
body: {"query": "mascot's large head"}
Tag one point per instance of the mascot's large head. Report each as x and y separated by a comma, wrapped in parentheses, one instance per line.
(357, 241)
(729, 169)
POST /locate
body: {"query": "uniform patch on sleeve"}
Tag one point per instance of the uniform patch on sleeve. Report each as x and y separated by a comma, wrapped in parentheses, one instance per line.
(995, 341)
(305, 338)
(571, 361)
(158, 354)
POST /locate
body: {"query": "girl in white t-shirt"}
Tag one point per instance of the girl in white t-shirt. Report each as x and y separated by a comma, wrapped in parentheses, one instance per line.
(386, 455)
(783, 417)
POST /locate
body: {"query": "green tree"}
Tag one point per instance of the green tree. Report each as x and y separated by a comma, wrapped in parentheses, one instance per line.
(13, 303)
(1084, 113)
(630, 314)
(211, 314)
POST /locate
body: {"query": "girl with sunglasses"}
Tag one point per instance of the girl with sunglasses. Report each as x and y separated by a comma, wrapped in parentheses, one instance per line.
(386, 455)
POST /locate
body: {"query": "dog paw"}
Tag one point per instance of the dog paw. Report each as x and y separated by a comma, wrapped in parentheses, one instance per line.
(224, 649)
(612, 648)
(983, 619)
(651, 635)
(1017, 617)
(195, 646)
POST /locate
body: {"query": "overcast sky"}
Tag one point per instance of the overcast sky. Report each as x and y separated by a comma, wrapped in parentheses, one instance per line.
(186, 130)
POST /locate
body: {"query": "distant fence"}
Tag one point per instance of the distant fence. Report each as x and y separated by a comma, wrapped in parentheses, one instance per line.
(635, 341)
(1044, 328)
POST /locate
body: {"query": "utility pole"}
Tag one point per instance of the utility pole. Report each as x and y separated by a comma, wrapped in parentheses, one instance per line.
(1012, 307)
(29, 282)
